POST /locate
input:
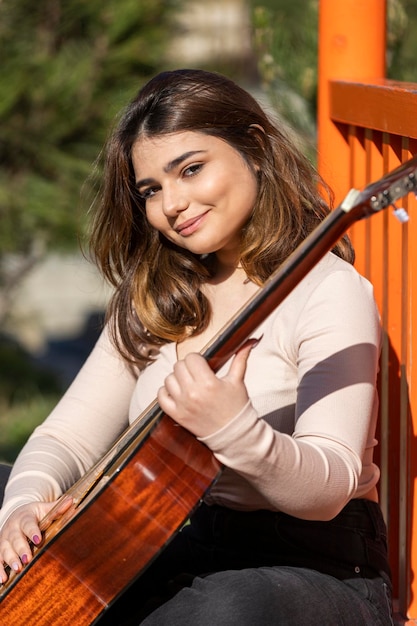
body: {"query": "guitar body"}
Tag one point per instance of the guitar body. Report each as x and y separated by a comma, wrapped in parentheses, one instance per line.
(149, 489)
(95, 551)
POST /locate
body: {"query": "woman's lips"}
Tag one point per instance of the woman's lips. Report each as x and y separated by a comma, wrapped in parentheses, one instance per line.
(190, 226)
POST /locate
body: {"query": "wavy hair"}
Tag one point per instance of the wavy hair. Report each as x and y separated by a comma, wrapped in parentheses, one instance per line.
(158, 296)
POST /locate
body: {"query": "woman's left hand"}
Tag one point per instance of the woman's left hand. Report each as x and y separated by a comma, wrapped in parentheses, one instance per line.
(197, 399)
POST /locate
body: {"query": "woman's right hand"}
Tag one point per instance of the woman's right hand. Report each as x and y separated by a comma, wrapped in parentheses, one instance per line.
(22, 529)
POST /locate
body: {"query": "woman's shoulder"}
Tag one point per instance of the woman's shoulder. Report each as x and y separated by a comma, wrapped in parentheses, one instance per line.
(333, 304)
(331, 270)
(331, 288)
(331, 263)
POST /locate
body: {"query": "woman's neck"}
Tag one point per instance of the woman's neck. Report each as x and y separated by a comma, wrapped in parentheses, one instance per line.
(228, 291)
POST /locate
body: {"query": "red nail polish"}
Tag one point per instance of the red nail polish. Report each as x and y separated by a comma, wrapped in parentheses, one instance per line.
(24, 559)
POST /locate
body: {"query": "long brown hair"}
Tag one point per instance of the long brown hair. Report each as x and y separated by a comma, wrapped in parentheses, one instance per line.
(157, 284)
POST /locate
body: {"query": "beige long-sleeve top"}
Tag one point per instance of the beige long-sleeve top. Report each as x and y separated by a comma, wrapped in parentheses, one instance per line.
(303, 444)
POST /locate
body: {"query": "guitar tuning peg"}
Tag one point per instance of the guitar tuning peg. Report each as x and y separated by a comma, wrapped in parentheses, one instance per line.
(401, 214)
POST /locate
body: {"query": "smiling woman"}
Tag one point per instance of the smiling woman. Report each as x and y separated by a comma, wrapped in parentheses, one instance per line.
(203, 197)
(199, 200)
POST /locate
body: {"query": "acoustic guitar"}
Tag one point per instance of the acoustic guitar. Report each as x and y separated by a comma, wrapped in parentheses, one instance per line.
(137, 497)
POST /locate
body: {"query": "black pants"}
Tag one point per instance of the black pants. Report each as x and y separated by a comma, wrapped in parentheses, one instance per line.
(351, 546)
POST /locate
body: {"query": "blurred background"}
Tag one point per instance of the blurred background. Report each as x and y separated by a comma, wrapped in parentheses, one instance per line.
(67, 68)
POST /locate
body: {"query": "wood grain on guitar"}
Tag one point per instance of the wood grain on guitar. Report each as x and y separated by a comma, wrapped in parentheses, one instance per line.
(133, 501)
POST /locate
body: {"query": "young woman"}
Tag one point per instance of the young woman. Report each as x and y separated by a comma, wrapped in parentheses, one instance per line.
(203, 197)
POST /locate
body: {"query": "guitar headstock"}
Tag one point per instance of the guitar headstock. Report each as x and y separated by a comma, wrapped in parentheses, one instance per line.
(385, 191)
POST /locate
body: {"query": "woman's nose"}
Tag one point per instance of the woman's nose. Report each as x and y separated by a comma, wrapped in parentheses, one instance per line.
(174, 200)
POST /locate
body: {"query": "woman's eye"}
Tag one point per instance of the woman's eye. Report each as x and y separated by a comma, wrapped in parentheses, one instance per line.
(192, 170)
(147, 193)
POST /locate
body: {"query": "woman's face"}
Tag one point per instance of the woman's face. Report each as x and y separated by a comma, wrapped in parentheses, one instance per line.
(199, 191)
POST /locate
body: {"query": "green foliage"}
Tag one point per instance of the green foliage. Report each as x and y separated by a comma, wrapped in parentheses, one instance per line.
(27, 394)
(67, 67)
(20, 378)
(285, 39)
(401, 40)
(17, 423)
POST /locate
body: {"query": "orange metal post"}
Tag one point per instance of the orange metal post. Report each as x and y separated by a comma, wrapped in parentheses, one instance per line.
(351, 46)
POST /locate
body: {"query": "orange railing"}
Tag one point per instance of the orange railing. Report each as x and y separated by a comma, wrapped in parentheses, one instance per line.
(367, 126)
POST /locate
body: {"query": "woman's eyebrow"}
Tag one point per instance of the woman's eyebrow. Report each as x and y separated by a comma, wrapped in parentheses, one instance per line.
(170, 166)
(175, 162)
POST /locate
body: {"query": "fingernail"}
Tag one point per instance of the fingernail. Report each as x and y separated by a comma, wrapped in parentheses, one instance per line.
(36, 539)
(256, 341)
(15, 567)
(24, 559)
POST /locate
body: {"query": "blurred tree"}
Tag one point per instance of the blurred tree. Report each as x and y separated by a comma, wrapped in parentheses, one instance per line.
(401, 40)
(67, 67)
(285, 41)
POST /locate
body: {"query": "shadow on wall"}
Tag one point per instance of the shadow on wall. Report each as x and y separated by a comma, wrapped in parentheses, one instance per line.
(22, 374)
(31, 385)
(65, 356)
